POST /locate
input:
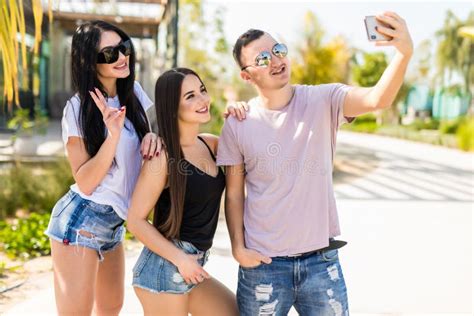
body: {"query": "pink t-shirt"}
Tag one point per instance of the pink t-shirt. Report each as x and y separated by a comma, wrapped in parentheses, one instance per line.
(288, 156)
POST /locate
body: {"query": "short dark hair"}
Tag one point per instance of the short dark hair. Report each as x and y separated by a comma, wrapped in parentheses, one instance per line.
(243, 40)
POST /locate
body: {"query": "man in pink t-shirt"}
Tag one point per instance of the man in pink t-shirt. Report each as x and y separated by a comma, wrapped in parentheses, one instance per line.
(283, 231)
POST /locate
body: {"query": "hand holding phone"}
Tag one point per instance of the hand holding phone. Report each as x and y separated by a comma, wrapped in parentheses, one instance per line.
(371, 24)
(389, 29)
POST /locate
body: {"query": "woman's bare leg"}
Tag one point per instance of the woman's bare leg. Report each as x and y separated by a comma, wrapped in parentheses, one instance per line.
(162, 304)
(75, 270)
(212, 298)
(109, 292)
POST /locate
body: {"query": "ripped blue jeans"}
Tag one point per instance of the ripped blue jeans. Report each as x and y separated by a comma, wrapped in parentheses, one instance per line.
(76, 221)
(313, 284)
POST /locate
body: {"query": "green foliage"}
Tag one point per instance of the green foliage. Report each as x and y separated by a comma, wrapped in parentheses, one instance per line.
(365, 127)
(428, 124)
(128, 234)
(457, 133)
(221, 45)
(24, 238)
(366, 118)
(465, 135)
(33, 188)
(208, 55)
(369, 73)
(3, 268)
(366, 123)
(215, 125)
(455, 52)
(23, 123)
(450, 126)
(317, 63)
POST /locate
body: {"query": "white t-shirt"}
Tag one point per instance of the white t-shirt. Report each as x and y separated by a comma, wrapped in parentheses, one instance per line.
(117, 186)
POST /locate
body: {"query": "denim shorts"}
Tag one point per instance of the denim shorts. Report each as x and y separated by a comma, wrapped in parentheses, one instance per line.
(158, 275)
(313, 284)
(102, 228)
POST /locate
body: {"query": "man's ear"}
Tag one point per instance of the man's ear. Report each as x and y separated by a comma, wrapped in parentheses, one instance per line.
(245, 76)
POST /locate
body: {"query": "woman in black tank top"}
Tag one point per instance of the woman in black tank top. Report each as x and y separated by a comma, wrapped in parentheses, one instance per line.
(184, 186)
(201, 204)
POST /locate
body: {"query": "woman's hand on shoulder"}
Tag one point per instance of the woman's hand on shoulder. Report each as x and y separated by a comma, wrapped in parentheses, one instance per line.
(236, 109)
(155, 166)
(151, 146)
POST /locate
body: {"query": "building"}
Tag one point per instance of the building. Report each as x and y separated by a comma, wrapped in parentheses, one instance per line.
(152, 24)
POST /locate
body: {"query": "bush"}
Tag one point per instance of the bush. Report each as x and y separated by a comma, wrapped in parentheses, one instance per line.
(33, 188)
(451, 126)
(465, 135)
(366, 123)
(24, 238)
(25, 124)
(420, 124)
(366, 118)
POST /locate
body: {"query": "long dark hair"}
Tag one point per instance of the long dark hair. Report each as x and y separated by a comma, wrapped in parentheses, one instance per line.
(85, 46)
(167, 99)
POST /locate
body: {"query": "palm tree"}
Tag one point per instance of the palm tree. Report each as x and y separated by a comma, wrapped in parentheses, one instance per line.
(12, 25)
(455, 52)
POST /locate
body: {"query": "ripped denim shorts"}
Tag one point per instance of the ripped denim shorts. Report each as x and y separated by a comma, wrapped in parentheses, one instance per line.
(80, 222)
(158, 275)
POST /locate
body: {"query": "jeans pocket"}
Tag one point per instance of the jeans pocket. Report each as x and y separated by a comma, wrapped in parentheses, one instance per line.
(330, 255)
(99, 208)
(252, 268)
(62, 204)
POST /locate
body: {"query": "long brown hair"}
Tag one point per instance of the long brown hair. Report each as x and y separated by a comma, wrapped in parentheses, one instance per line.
(167, 99)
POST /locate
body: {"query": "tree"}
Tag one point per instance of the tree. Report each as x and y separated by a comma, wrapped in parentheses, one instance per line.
(369, 72)
(455, 52)
(204, 49)
(317, 63)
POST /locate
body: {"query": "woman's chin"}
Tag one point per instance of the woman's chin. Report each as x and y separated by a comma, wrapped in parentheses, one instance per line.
(122, 74)
(205, 120)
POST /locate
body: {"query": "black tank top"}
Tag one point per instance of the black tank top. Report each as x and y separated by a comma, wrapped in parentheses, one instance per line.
(201, 205)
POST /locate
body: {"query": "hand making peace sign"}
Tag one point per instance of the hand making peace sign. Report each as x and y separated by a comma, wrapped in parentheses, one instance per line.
(114, 119)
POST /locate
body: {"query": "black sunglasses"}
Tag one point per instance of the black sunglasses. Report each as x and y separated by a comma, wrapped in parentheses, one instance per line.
(110, 55)
(263, 59)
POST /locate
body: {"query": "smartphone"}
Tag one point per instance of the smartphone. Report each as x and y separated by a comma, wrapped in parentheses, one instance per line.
(370, 23)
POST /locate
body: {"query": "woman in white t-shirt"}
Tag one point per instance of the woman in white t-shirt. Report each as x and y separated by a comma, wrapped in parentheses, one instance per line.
(103, 125)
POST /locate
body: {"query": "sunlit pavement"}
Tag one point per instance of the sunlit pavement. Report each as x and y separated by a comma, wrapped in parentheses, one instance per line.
(406, 210)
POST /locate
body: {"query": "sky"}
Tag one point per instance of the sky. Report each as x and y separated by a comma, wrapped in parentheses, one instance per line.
(284, 19)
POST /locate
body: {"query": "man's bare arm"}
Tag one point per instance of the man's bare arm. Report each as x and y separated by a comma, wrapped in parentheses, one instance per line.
(234, 213)
(363, 100)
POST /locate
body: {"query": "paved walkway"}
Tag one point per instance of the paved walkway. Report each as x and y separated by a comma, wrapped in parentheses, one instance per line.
(406, 210)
